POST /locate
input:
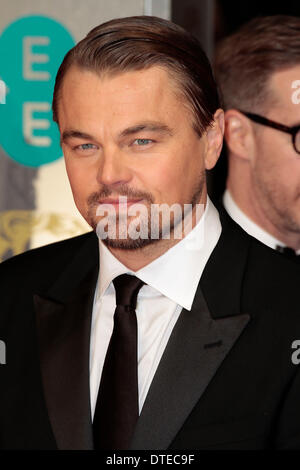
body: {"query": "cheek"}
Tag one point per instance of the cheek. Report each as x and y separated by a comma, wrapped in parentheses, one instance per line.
(157, 180)
(172, 183)
(289, 180)
(79, 181)
(279, 172)
(186, 161)
(164, 179)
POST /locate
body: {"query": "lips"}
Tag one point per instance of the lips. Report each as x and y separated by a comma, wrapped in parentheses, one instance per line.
(119, 202)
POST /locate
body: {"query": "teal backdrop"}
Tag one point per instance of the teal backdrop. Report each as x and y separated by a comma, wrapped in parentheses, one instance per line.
(31, 50)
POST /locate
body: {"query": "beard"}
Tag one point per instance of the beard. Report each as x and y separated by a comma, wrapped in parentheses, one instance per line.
(276, 203)
(155, 222)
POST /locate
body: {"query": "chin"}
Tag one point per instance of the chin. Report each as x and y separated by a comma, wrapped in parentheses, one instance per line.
(128, 244)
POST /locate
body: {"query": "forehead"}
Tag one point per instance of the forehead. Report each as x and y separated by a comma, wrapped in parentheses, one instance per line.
(87, 94)
(281, 86)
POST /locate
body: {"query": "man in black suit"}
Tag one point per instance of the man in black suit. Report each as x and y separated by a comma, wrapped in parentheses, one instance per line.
(258, 73)
(202, 352)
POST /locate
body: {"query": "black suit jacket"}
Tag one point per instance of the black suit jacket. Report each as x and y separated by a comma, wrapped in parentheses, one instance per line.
(226, 379)
(221, 208)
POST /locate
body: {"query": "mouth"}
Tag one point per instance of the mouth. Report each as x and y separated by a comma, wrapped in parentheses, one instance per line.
(121, 202)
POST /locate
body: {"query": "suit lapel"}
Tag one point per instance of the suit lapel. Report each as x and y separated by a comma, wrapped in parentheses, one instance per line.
(63, 317)
(199, 343)
(197, 347)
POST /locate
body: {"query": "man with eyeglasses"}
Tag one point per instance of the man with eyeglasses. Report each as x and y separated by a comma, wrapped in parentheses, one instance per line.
(258, 73)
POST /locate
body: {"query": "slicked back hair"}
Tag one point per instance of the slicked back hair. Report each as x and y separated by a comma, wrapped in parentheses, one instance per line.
(140, 42)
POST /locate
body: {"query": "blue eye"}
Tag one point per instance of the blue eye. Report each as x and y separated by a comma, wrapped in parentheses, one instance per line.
(141, 142)
(86, 146)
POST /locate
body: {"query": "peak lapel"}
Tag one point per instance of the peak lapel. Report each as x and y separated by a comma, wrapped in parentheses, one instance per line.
(197, 347)
(63, 327)
(199, 343)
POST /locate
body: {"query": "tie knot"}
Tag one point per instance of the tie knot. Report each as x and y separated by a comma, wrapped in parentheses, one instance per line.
(127, 288)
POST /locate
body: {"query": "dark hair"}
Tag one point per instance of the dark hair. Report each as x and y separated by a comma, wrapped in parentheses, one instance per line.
(246, 60)
(139, 42)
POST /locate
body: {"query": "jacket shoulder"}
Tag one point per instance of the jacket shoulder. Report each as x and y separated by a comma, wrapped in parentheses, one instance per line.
(261, 255)
(45, 258)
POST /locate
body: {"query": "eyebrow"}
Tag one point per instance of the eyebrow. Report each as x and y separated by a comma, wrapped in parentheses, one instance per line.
(73, 133)
(150, 126)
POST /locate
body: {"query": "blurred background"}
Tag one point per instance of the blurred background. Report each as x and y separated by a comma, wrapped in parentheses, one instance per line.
(36, 204)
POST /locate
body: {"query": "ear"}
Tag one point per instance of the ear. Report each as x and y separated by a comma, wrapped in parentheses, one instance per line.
(214, 139)
(238, 134)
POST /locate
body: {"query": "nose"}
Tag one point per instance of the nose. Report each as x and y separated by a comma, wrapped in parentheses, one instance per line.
(113, 168)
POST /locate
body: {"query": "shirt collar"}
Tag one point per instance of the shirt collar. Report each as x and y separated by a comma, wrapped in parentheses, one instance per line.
(247, 224)
(177, 272)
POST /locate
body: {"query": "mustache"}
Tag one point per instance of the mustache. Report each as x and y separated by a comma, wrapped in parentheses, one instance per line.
(123, 190)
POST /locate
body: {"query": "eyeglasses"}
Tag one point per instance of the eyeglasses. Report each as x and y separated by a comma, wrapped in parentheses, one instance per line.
(293, 131)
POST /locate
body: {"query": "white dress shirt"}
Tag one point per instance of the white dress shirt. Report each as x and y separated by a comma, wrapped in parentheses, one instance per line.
(172, 281)
(248, 225)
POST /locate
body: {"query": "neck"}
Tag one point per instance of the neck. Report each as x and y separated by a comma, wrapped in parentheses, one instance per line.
(141, 257)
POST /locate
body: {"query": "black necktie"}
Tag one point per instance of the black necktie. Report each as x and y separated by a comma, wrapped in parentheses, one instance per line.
(117, 407)
(286, 251)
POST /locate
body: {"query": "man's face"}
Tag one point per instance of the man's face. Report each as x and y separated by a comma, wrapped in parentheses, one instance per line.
(276, 166)
(129, 135)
